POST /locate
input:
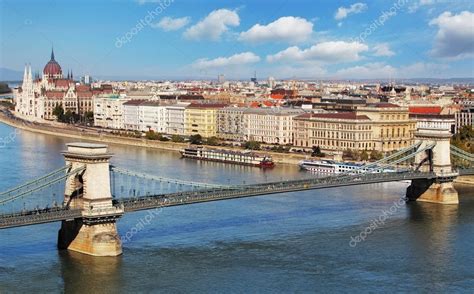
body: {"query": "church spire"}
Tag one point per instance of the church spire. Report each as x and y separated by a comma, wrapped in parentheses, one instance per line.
(52, 53)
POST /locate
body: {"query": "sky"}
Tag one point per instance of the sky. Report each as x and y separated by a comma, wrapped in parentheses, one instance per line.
(179, 39)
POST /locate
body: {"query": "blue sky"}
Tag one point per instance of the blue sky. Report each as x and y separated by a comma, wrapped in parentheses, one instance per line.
(280, 38)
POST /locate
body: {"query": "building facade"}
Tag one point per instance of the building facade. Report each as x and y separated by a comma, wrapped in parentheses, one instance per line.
(201, 119)
(391, 125)
(270, 125)
(334, 131)
(108, 111)
(230, 123)
(176, 121)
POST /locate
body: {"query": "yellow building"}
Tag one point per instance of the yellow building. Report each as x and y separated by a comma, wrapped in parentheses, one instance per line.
(392, 127)
(201, 119)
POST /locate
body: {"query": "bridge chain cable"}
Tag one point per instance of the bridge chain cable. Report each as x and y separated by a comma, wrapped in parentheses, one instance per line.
(35, 181)
(162, 179)
(42, 186)
(462, 152)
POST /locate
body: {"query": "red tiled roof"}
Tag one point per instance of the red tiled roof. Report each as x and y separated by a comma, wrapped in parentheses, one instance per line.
(84, 94)
(435, 109)
(81, 88)
(54, 94)
(63, 83)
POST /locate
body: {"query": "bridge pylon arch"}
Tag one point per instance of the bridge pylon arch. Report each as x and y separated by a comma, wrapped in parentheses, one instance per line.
(96, 232)
(436, 132)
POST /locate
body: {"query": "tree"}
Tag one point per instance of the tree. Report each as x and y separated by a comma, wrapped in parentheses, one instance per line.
(364, 155)
(151, 135)
(195, 139)
(89, 117)
(317, 152)
(349, 154)
(58, 111)
(212, 141)
(376, 155)
(177, 139)
(252, 145)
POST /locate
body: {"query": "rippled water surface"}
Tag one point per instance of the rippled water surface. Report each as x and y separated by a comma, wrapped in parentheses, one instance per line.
(295, 242)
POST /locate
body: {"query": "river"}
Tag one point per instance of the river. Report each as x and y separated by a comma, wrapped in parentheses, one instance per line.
(296, 242)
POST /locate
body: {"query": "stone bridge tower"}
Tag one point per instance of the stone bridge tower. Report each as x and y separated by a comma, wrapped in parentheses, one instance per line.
(434, 130)
(96, 232)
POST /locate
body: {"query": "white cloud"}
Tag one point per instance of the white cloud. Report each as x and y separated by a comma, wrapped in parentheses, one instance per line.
(286, 29)
(168, 24)
(343, 12)
(325, 52)
(383, 49)
(419, 4)
(455, 36)
(236, 59)
(368, 71)
(213, 25)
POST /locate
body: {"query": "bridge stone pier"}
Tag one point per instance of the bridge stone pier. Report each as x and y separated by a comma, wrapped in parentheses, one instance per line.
(437, 159)
(96, 232)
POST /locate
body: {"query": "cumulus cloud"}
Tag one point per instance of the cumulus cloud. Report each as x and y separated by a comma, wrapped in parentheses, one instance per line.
(168, 24)
(285, 29)
(213, 25)
(343, 12)
(325, 52)
(236, 59)
(455, 36)
(383, 49)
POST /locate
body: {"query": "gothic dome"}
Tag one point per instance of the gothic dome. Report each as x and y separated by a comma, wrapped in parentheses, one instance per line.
(52, 68)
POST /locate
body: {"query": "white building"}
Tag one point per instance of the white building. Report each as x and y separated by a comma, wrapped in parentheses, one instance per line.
(230, 123)
(131, 114)
(108, 111)
(270, 125)
(176, 118)
(153, 115)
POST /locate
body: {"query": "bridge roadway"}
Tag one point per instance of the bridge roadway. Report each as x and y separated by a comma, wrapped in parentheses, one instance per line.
(192, 197)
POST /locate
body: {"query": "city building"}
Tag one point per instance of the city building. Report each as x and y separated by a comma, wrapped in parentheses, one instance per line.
(176, 121)
(391, 125)
(333, 131)
(108, 111)
(131, 114)
(270, 125)
(230, 123)
(465, 116)
(153, 115)
(202, 119)
(38, 96)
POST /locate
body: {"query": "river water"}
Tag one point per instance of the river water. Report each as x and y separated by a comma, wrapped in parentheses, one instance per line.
(295, 242)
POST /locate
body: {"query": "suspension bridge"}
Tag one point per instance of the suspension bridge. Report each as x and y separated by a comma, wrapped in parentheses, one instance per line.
(88, 195)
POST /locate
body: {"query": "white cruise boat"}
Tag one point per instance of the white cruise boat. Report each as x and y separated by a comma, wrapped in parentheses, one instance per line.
(334, 167)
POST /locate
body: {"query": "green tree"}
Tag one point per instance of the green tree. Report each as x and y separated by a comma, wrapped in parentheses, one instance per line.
(376, 155)
(212, 141)
(195, 139)
(317, 152)
(177, 139)
(58, 111)
(252, 145)
(364, 155)
(151, 135)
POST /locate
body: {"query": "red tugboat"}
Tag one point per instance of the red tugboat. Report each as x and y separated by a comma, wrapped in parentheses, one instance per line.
(227, 156)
